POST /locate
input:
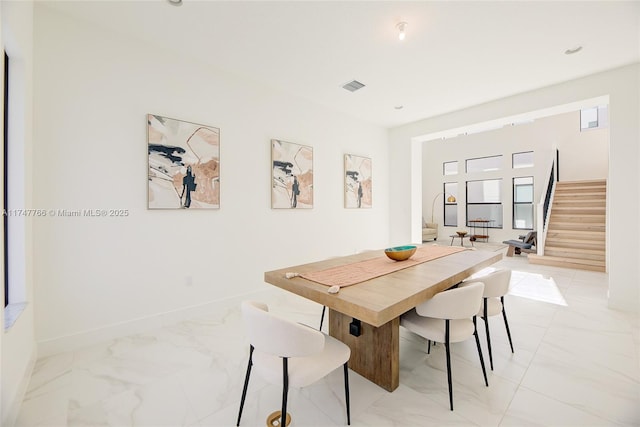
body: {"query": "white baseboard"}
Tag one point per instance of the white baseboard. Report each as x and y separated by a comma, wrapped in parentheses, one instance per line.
(136, 326)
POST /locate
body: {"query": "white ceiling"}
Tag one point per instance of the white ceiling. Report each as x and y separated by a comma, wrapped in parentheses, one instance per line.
(456, 54)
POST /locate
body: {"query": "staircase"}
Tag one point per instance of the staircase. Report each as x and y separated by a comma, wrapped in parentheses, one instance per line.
(576, 230)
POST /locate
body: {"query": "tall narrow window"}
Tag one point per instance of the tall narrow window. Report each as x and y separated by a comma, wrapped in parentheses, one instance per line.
(451, 204)
(5, 189)
(523, 203)
(484, 202)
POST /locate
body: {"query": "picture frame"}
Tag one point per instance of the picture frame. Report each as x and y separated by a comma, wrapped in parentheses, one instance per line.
(291, 175)
(357, 182)
(183, 164)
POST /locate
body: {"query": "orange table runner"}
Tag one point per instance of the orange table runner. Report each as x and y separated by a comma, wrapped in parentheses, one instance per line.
(350, 274)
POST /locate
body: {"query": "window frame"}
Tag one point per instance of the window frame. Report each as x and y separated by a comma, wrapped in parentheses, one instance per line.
(444, 168)
(447, 203)
(513, 165)
(497, 156)
(5, 182)
(515, 203)
(500, 204)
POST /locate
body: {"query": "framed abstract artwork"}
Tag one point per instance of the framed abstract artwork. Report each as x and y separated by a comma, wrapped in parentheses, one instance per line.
(184, 164)
(291, 175)
(357, 181)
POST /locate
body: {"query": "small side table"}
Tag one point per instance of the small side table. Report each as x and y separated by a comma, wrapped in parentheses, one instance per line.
(466, 236)
(483, 225)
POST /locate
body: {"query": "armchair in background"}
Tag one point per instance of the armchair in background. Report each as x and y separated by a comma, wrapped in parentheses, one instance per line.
(429, 231)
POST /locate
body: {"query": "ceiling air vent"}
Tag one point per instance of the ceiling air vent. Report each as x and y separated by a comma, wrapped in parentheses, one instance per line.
(353, 86)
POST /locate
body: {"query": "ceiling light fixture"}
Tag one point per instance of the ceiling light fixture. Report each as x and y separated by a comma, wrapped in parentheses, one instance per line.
(175, 2)
(399, 107)
(573, 50)
(402, 26)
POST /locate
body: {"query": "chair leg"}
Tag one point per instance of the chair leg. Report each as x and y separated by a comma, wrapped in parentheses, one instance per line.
(486, 328)
(246, 384)
(346, 392)
(285, 390)
(475, 333)
(448, 351)
(429, 347)
(506, 324)
(324, 307)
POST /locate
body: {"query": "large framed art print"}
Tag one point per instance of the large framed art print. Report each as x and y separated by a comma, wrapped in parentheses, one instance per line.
(184, 164)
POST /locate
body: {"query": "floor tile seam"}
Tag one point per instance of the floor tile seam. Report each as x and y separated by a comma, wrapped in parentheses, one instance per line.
(341, 399)
(235, 404)
(535, 352)
(606, 421)
(585, 410)
(128, 387)
(35, 392)
(190, 405)
(422, 395)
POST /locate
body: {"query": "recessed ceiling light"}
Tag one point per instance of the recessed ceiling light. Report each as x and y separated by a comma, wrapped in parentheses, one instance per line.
(573, 50)
(399, 107)
(175, 2)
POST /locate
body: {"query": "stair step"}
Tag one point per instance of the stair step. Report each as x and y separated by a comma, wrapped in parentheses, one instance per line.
(579, 199)
(581, 184)
(567, 262)
(575, 244)
(585, 182)
(599, 210)
(578, 210)
(576, 226)
(574, 253)
(575, 234)
(568, 217)
(594, 191)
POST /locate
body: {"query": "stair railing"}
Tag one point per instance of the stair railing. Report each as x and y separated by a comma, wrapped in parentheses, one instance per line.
(544, 206)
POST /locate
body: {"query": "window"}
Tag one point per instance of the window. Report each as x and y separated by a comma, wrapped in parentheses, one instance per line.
(593, 118)
(450, 206)
(450, 168)
(523, 203)
(484, 201)
(5, 192)
(14, 225)
(484, 164)
(522, 160)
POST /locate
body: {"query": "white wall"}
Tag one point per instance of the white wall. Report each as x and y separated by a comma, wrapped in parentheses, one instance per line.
(621, 85)
(93, 90)
(18, 347)
(560, 131)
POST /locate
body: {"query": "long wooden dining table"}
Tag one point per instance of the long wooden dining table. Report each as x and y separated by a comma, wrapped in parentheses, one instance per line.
(371, 309)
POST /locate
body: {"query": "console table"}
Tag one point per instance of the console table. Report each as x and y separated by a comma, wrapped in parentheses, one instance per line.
(483, 225)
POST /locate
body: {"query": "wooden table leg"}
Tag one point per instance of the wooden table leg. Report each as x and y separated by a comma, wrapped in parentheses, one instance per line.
(375, 353)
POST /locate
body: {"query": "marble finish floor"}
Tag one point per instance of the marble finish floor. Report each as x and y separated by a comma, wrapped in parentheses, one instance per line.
(576, 363)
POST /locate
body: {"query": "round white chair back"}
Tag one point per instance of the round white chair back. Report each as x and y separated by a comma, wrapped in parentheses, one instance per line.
(279, 337)
(496, 283)
(459, 303)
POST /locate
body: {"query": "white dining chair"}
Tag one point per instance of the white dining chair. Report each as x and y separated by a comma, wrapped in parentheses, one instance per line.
(290, 354)
(448, 317)
(496, 286)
